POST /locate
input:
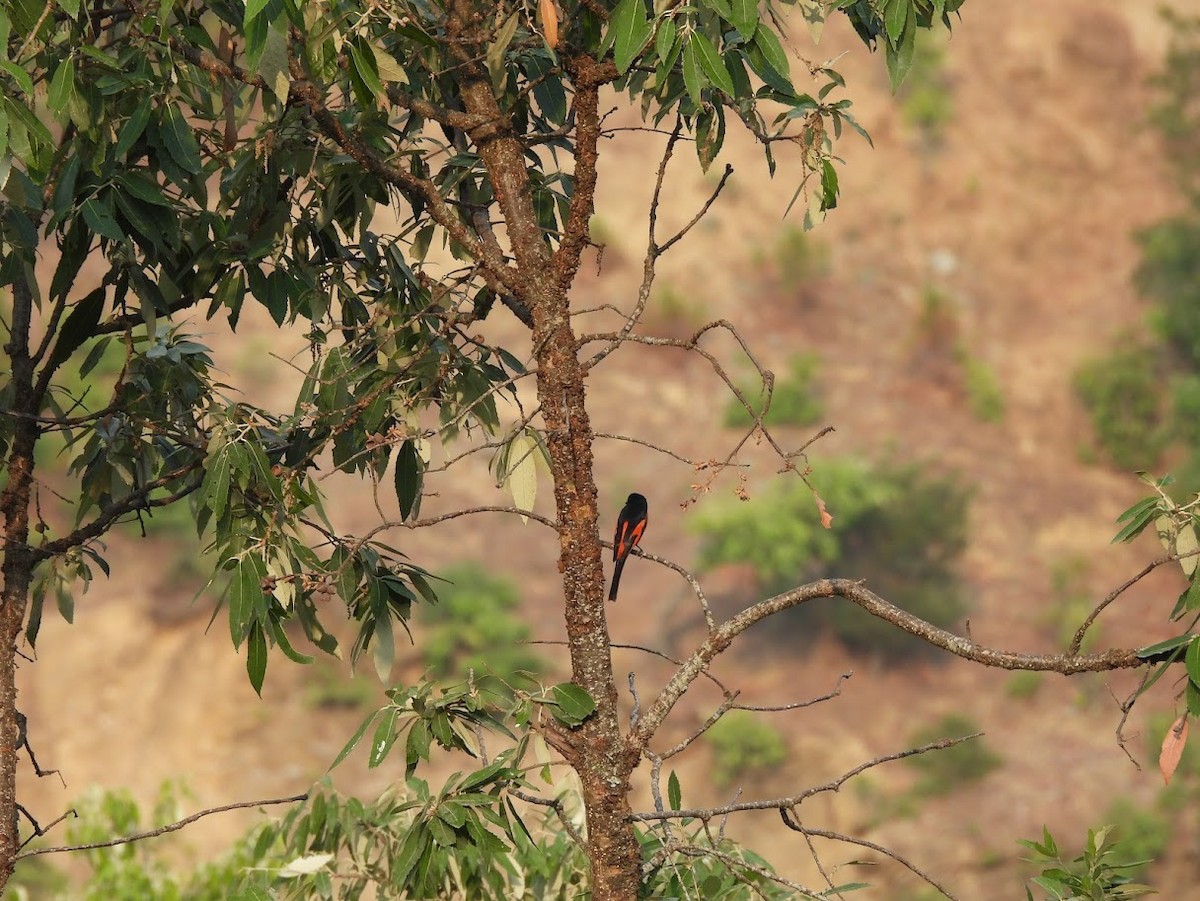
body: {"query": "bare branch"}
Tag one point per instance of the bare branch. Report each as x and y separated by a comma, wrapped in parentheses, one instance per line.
(162, 830)
(862, 842)
(708, 813)
(855, 592)
(1077, 641)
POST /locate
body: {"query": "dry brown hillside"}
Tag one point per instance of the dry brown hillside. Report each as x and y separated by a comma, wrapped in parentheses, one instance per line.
(1022, 217)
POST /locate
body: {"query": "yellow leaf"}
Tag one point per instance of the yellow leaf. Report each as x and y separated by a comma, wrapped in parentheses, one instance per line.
(389, 69)
(548, 14)
(522, 472)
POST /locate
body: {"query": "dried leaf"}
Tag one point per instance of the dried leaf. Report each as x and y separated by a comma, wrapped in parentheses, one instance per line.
(548, 14)
(1172, 747)
(826, 516)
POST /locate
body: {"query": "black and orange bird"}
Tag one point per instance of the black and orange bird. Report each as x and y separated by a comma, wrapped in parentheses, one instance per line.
(631, 526)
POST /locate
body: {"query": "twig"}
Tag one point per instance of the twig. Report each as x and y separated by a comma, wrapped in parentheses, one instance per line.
(1077, 641)
(708, 813)
(162, 830)
(862, 842)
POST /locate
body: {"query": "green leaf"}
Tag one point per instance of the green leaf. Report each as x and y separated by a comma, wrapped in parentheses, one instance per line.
(674, 793)
(387, 66)
(62, 86)
(245, 596)
(693, 79)
(711, 62)
(1136, 518)
(273, 63)
(631, 31)
(133, 128)
(900, 58)
(98, 217)
(664, 41)
(410, 474)
(1169, 644)
(363, 60)
(1193, 698)
(253, 8)
(285, 644)
(744, 17)
(829, 185)
(256, 658)
(79, 326)
(383, 653)
(385, 736)
(354, 739)
(496, 51)
(894, 18)
(1192, 659)
(773, 53)
(573, 704)
(179, 140)
(24, 82)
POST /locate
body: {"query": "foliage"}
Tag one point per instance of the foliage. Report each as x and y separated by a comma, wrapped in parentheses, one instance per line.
(1176, 114)
(1121, 393)
(743, 746)
(983, 389)
(795, 400)
(1095, 874)
(948, 769)
(896, 526)
(146, 869)
(1144, 833)
(1167, 274)
(474, 626)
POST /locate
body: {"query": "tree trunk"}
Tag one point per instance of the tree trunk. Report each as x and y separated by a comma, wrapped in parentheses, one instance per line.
(17, 568)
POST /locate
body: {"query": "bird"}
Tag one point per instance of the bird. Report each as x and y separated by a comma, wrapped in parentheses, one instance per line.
(631, 526)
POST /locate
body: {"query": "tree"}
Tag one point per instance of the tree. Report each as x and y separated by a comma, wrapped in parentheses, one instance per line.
(206, 153)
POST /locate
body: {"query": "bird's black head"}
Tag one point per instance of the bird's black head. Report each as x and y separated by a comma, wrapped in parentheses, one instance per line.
(635, 501)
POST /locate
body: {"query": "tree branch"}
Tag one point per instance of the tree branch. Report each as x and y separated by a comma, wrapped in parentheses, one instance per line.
(855, 592)
(162, 830)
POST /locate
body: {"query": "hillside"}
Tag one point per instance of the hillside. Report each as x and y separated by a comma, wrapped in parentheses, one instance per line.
(1020, 215)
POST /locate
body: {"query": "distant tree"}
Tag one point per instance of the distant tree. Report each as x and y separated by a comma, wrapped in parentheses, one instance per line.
(199, 155)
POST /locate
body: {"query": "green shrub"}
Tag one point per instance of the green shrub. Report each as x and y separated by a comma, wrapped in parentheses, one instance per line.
(473, 626)
(142, 870)
(894, 526)
(946, 770)
(1169, 273)
(1144, 834)
(1095, 874)
(983, 389)
(1122, 394)
(1185, 409)
(743, 745)
(795, 401)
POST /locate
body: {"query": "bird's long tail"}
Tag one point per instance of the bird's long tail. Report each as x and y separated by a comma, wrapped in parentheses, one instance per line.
(612, 592)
